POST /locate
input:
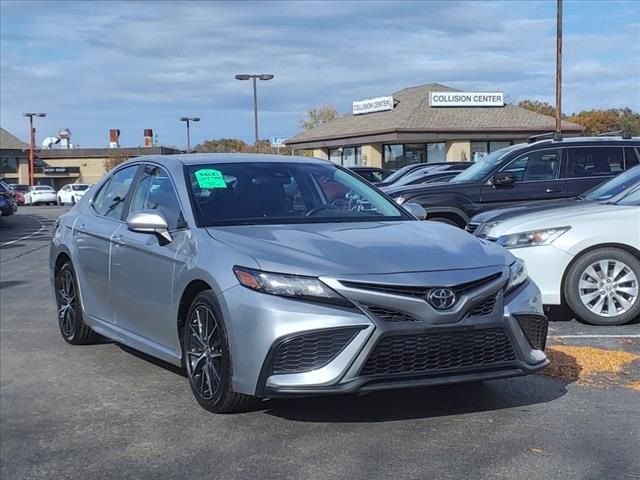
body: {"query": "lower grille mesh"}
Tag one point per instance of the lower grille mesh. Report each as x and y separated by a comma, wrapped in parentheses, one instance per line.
(311, 351)
(535, 329)
(440, 351)
(485, 308)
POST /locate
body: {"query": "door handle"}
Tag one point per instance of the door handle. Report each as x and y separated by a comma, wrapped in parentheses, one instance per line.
(118, 240)
(553, 190)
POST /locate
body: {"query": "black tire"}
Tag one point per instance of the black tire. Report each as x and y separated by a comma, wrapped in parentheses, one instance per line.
(60, 202)
(70, 321)
(572, 290)
(206, 354)
(73, 200)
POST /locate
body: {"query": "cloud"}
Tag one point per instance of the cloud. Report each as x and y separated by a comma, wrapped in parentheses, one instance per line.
(134, 65)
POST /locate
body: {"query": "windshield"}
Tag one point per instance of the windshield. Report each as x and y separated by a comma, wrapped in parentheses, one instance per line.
(20, 188)
(613, 187)
(483, 167)
(284, 193)
(632, 198)
(399, 173)
(79, 188)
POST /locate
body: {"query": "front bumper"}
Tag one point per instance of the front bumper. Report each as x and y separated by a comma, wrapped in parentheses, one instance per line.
(348, 345)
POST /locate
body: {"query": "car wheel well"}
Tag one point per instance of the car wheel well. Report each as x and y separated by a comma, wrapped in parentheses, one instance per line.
(193, 289)
(452, 217)
(60, 261)
(620, 246)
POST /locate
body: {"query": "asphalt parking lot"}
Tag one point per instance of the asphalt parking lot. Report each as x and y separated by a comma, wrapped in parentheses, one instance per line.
(104, 411)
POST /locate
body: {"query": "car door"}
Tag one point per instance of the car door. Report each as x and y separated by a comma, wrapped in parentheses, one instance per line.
(92, 234)
(64, 194)
(587, 167)
(537, 178)
(142, 269)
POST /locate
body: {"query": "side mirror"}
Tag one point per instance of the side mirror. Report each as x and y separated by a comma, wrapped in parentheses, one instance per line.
(503, 179)
(150, 221)
(416, 210)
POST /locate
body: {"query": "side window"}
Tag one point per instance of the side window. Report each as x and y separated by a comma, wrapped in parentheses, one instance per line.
(155, 192)
(109, 201)
(594, 162)
(630, 158)
(536, 166)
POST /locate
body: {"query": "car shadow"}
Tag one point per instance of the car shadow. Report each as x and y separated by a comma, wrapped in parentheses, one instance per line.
(437, 401)
(155, 361)
(10, 283)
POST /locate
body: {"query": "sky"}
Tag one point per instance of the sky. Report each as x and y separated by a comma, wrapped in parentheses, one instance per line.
(93, 65)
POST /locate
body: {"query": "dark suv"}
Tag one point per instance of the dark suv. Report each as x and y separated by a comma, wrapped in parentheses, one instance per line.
(547, 170)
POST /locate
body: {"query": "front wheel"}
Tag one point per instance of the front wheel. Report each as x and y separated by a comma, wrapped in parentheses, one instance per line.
(208, 358)
(602, 287)
(60, 202)
(70, 321)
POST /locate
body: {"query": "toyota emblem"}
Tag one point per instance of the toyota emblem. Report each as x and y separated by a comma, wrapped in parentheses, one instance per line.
(441, 298)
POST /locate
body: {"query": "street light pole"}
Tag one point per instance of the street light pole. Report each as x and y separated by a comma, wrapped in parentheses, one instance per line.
(189, 119)
(32, 144)
(254, 77)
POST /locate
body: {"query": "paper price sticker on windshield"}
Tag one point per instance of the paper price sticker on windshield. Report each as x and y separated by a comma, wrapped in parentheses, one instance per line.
(209, 178)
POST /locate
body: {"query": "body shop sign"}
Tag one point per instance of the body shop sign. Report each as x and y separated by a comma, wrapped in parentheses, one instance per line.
(371, 105)
(466, 99)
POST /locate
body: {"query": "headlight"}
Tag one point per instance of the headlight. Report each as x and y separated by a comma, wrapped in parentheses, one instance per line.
(293, 286)
(517, 275)
(484, 228)
(532, 238)
(400, 200)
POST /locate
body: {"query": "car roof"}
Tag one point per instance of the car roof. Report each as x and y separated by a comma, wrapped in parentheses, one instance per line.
(204, 158)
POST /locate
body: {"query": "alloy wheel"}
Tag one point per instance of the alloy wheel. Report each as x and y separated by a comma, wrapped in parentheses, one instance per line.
(204, 352)
(66, 303)
(608, 288)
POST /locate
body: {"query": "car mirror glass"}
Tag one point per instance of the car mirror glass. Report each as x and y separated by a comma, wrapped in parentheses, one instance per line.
(416, 210)
(503, 179)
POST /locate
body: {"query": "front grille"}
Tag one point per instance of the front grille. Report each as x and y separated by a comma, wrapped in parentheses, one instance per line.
(436, 352)
(389, 315)
(472, 227)
(485, 308)
(311, 351)
(535, 329)
(418, 291)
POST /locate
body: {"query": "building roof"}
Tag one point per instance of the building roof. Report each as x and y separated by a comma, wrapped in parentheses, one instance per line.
(54, 153)
(11, 142)
(413, 113)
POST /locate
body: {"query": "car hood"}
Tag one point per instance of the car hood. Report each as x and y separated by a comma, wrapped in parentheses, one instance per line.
(500, 214)
(361, 248)
(581, 213)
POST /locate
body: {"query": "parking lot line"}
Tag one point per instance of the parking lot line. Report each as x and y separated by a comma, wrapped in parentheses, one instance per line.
(42, 227)
(594, 336)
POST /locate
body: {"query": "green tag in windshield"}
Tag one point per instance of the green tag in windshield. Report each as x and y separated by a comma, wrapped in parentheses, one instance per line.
(209, 178)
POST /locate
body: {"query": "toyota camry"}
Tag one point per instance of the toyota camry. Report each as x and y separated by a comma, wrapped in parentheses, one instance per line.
(269, 276)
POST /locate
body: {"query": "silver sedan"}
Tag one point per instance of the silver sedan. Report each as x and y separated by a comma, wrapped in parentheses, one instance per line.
(281, 276)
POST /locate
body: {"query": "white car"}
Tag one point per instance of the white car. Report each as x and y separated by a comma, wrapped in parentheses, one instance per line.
(585, 256)
(71, 193)
(40, 194)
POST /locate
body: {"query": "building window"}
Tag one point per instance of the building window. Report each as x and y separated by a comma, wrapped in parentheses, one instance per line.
(398, 156)
(8, 165)
(346, 156)
(482, 149)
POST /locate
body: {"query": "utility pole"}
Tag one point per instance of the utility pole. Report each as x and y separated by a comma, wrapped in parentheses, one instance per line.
(558, 131)
(32, 144)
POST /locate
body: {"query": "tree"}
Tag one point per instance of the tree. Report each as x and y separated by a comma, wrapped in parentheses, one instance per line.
(235, 145)
(114, 160)
(540, 107)
(318, 116)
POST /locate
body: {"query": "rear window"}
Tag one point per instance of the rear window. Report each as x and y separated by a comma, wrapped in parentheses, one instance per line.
(79, 188)
(44, 187)
(594, 162)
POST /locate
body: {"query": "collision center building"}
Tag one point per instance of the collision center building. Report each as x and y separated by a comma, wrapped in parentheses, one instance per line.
(428, 123)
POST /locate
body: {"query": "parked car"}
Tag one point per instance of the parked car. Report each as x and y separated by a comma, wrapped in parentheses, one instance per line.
(371, 174)
(261, 287)
(432, 173)
(71, 193)
(585, 256)
(40, 194)
(610, 191)
(18, 191)
(543, 171)
(8, 205)
(408, 169)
